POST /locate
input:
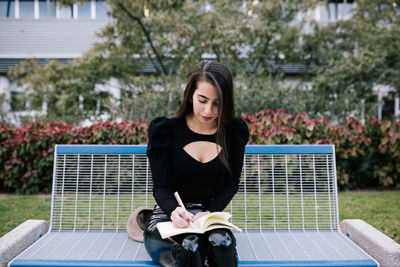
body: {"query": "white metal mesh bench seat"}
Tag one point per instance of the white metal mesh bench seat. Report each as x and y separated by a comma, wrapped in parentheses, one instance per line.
(286, 205)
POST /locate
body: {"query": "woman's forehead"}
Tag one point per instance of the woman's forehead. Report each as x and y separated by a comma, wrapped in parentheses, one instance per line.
(207, 90)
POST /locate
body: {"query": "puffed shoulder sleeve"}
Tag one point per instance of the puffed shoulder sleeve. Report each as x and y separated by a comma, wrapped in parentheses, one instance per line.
(238, 138)
(159, 135)
(240, 132)
(158, 153)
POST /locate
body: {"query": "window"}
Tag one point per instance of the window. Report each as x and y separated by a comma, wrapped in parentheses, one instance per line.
(101, 106)
(84, 10)
(47, 9)
(7, 9)
(17, 101)
(101, 9)
(207, 7)
(388, 106)
(43, 9)
(66, 12)
(26, 9)
(339, 9)
(98, 101)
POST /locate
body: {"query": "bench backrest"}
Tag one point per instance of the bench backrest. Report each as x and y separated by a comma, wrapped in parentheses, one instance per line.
(283, 187)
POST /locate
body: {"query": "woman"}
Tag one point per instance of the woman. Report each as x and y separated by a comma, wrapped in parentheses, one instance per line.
(198, 152)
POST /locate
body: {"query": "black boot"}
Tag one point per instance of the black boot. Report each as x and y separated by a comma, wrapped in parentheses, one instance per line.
(167, 258)
(189, 254)
(221, 249)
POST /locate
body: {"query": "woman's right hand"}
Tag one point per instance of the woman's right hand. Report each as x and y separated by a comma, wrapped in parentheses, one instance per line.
(181, 218)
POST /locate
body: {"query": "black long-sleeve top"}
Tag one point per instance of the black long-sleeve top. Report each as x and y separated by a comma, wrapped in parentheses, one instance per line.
(173, 169)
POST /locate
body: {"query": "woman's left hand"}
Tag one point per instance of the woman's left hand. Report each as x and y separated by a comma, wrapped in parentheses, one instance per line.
(201, 214)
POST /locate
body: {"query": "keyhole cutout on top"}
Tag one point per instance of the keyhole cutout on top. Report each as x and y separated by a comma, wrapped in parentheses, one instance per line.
(202, 151)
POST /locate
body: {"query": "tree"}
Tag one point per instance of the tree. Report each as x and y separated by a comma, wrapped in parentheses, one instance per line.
(352, 56)
(247, 36)
(344, 59)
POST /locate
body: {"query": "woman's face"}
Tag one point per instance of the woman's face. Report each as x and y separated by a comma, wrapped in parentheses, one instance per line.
(205, 103)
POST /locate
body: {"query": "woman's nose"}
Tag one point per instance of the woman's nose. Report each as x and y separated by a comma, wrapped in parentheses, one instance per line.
(208, 109)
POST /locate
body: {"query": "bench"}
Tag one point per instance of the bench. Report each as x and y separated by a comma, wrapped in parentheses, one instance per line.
(286, 205)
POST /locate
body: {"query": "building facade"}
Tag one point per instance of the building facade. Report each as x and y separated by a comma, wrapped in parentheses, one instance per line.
(43, 30)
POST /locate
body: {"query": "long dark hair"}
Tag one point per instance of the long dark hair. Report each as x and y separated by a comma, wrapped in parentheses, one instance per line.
(219, 76)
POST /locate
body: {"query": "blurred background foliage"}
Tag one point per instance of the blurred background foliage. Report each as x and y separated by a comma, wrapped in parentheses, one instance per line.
(149, 48)
(340, 62)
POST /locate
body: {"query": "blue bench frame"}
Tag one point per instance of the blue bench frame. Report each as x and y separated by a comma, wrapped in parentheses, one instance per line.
(289, 213)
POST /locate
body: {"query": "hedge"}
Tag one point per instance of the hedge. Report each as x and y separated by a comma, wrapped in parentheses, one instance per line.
(27, 154)
(367, 155)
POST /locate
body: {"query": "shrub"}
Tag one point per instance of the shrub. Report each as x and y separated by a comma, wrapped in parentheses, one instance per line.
(366, 155)
(385, 151)
(27, 153)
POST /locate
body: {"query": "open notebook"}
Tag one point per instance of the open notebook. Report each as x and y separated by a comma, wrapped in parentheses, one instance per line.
(203, 224)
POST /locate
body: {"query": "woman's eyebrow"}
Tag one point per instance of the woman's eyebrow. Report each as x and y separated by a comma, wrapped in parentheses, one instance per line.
(206, 97)
(203, 96)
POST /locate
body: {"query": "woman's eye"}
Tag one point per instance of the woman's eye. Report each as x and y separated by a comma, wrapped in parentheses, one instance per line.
(202, 101)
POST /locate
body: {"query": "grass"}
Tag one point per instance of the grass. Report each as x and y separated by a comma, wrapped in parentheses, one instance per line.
(14, 210)
(381, 209)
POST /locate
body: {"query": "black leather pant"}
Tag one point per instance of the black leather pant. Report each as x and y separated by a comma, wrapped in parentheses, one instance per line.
(216, 247)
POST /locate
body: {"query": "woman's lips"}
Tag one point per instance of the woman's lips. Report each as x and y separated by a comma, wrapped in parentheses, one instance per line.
(206, 118)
